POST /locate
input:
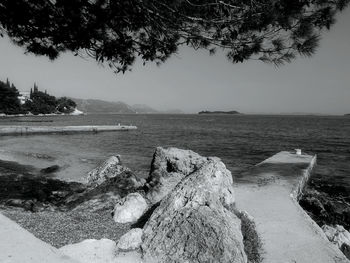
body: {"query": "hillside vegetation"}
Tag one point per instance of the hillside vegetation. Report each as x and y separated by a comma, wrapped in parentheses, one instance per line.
(38, 102)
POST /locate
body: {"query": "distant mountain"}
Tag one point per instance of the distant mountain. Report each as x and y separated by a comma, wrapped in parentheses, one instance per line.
(142, 108)
(101, 106)
(348, 114)
(173, 111)
(219, 112)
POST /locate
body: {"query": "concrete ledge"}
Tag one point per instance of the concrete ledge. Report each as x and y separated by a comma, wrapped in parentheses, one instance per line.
(17, 245)
(24, 130)
(269, 192)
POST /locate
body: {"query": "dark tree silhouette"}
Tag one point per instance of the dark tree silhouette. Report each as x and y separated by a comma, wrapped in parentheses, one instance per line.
(117, 31)
(9, 102)
(40, 103)
(65, 105)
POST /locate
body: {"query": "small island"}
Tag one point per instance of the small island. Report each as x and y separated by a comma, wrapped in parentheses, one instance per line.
(219, 112)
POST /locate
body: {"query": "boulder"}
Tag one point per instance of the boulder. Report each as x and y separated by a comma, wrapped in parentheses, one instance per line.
(50, 169)
(130, 208)
(196, 221)
(110, 168)
(169, 166)
(97, 203)
(92, 251)
(105, 194)
(339, 236)
(131, 240)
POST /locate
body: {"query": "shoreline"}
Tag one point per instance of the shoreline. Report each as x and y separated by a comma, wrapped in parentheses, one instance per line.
(24, 130)
(76, 112)
(13, 166)
(51, 225)
(60, 228)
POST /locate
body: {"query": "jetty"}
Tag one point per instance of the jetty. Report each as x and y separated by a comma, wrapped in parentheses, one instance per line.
(26, 130)
(269, 192)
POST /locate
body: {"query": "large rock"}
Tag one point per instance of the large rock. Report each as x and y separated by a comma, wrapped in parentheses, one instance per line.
(110, 168)
(97, 203)
(339, 236)
(50, 169)
(131, 240)
(105, 185)
(92, 251)
(196, 222)
(169, 166)
(100, 251)
(130, 208)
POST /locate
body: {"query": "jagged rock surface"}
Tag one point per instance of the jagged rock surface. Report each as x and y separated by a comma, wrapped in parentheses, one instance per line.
(115, 187)
(97, 203)
(339, 236)
(130, 208)
(326, 204)
(169, 166)
(131, 240)
(196, 222)
(110, 168)
(105, 185)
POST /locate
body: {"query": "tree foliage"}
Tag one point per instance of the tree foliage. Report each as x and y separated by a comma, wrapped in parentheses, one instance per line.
(9, 102)
(118, 31)
(38, 103)
(65, 105)
(43, 103)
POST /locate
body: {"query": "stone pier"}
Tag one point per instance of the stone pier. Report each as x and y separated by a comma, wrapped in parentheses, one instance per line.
(26, 130)
(269, 192)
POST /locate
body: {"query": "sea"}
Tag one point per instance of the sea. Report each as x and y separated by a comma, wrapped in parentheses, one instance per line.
(241, 141)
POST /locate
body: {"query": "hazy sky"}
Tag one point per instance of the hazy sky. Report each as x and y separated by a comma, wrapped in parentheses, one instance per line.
(193, 80)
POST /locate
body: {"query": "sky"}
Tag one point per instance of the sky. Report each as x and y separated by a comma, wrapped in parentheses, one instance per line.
(193, 81)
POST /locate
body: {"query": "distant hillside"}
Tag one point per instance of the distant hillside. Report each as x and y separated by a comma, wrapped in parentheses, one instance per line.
(142, 108)
(100, 106)
(173, 111)
(219, 112)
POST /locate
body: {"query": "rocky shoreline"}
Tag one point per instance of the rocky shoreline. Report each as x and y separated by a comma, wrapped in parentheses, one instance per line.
(331, 213)
(116, 204)
(113, 187)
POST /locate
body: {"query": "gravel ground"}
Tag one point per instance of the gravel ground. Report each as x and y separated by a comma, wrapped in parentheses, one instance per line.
(62, 228)
(56, 228)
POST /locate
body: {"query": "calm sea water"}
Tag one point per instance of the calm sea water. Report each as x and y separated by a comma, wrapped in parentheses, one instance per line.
(239, 140)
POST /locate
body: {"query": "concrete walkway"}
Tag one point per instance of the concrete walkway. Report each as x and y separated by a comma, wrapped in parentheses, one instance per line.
(269, 193)
(24, 130)
(17, 245)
